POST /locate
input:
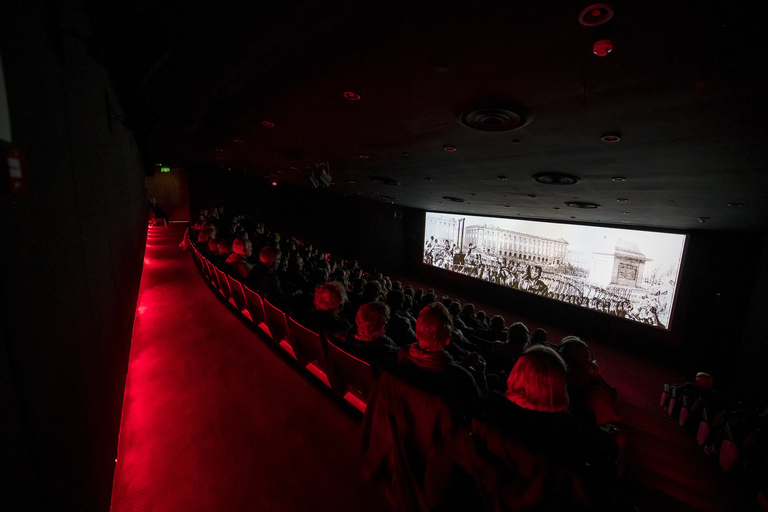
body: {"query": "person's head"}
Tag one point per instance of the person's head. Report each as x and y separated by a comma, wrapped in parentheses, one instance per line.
(371, 320)
(468, 310)
(537, 381)
(518, 336)
(497, 323)
(330, 297)
(268, 257)
(211, 232)
(536, 272)
(539, 337)
(242, 247)
(575, 352)
(455, 308)
(434, 327)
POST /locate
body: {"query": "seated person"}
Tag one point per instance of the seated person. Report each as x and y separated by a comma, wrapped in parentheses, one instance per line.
(506, 352)
(236, 265)
(399, 327)
(325, 317)
(426, 363)
(369, 341)
(497, 329)
(263, 280)
(592, 398)
(529, 453)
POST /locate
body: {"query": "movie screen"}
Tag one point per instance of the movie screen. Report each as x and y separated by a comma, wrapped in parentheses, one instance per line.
(626, 273)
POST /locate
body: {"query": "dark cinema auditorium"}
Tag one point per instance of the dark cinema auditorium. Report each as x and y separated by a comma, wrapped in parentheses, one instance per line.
(414, 256)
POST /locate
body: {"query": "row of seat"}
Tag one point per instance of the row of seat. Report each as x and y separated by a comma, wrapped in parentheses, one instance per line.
(349, 377)
(712, 415)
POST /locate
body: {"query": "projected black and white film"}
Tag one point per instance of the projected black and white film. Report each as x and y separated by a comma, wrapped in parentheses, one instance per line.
(627, 273)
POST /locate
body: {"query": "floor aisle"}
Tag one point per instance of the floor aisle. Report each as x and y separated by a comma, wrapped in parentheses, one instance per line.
(216, 419)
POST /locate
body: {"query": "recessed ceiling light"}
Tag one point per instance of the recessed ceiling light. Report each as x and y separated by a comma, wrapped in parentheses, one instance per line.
(618, 179)
(239, 141)
(364, 157)
(501, 178)
(351, 96)
(556, 208)
(703, 219)
(625, 213)
(595, 15)
(427, 179)
(449, 149)
(494, 119)
(611, 137)
(736, 205)
(268, 124)
(532, 196)
(622, 199)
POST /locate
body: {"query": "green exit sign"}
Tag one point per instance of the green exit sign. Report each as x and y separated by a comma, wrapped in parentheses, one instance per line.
(165, 169)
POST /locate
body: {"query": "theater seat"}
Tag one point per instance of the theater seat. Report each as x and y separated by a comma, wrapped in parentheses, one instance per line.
(277, 321)
(256, 310)
(350, 377)
(309, 350)
(238, 296)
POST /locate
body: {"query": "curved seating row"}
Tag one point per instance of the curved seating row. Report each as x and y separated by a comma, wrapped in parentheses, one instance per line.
(349, 377)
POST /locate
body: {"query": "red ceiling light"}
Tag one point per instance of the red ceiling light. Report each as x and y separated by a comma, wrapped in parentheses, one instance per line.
(364, 157)
(449, 149)
(268, 124)
(603, 47)
(351, 96)
(611, 137)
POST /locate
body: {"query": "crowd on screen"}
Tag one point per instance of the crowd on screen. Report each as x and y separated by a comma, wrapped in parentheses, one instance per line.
(564, 282)
(532, 424)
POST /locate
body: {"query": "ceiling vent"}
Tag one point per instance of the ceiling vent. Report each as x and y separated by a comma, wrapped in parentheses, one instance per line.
(556, 178)
(494, 119)
(453, 199)
(582, 205)
(383, 180)
(595, 15)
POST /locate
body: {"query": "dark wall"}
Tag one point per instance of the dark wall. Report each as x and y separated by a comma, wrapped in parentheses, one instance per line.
(71, 259)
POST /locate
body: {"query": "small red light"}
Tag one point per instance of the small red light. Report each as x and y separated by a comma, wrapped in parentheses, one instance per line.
(611, 137)
(268, 124)
(274, 183)
(603, 47)
(364, 157)
(351, 96)
(449, 149)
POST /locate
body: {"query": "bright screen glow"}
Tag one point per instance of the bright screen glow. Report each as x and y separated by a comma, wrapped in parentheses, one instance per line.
(627, 273)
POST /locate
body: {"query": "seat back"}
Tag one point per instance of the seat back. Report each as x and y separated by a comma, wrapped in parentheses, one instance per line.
(224, 288)
(214, 277)
(350, 377)
(256, 310)
(309, 348)
(277, 321)
(238, 294)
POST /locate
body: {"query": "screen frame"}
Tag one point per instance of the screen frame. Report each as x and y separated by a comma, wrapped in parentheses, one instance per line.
(671, 325)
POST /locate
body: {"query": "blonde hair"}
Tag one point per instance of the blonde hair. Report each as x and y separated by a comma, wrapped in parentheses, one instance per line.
(371, 320)
(433, 327)
(537, 381)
